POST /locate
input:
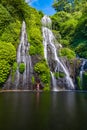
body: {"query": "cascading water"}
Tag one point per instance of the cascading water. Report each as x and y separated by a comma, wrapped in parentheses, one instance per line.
(49, 40)
(46, 21)
(54, 82)
(82, 70)
(22, 81)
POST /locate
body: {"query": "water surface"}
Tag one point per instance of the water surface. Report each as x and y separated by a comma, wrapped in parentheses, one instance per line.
(43, 111)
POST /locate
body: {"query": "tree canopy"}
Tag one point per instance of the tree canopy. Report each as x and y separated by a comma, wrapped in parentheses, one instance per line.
(71, 26)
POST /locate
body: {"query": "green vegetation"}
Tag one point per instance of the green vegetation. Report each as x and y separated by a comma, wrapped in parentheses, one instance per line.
(5, 18)
(69, 26)
(10, 23)
(7, 57)
(36, 47)
(11, 33)
(56, 74)
(65, 5)
(70, 23)
(84, 83)
(12, 14)
(21, 68)
(67, 52)
(59, 75)
(32, 50)
(43, 71)
(79, 82)
(34, 33)
(4, 71)
(33, 80)
(7, 52)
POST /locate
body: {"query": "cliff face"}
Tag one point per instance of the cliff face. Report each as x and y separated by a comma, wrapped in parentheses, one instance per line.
(73, 66)
(48, 67)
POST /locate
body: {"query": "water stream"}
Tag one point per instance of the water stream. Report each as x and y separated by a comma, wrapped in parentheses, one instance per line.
(82, 70)
(49, 40)
(22, 81)
(24, 57)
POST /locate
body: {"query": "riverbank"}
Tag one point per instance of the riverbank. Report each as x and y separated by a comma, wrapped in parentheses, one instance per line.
(3, 91)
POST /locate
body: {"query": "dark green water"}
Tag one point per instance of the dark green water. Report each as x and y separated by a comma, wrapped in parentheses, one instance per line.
(43, 111)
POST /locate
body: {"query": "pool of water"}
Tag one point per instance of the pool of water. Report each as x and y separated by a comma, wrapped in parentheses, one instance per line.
(43, 111)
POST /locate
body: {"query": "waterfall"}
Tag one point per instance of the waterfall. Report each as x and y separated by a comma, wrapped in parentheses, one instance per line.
(24, 57)
(22, 81)
(49, 40)
(82, 70)
(46, 21)
(54, 82)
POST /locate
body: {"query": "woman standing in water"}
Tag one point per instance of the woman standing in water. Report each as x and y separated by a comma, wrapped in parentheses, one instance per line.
(38, 86)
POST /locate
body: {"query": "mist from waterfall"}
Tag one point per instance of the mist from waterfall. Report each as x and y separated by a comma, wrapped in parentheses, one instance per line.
(22, 81)
(49, 40)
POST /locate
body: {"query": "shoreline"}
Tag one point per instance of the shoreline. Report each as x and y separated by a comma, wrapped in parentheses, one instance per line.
(1, 91)
(19, 90)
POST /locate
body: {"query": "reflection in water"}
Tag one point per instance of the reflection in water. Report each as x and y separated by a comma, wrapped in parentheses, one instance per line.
(68, 110)
(43, 111)
(37, 97)
(36, 100)
(70, 103)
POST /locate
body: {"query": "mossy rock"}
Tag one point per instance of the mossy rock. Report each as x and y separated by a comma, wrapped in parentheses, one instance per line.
(84, 83)
(21, 68)
(59, 75)
(79, 83)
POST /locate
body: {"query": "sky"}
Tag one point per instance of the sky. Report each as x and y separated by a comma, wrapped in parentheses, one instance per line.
(43, 5)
